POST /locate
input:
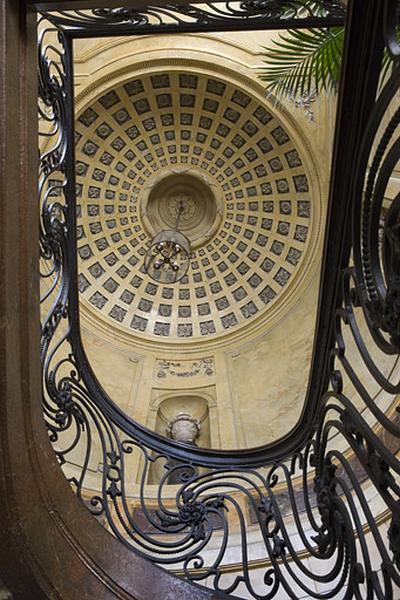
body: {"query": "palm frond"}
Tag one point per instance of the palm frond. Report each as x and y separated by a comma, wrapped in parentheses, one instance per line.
(304, 62)
(387, 66)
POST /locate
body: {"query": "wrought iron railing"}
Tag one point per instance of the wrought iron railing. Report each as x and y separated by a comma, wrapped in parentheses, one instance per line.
(273, 507)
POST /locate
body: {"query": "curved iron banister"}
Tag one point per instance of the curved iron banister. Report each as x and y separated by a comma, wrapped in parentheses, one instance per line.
(359, 302)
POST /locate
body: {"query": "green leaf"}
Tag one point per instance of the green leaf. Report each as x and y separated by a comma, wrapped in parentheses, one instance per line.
(304, 62)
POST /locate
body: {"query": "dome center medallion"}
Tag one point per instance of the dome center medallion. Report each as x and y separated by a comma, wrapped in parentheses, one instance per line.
(191, 195)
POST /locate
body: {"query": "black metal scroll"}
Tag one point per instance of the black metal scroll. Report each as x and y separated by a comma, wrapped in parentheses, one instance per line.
(305, 524)
(210, 16)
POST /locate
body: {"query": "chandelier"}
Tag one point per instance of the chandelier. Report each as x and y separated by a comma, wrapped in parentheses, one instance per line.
(168, 256)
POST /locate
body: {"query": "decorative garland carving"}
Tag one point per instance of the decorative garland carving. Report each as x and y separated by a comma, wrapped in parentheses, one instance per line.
(184, 369)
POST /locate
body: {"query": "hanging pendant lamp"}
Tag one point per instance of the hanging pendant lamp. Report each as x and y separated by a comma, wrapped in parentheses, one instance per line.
(168, 256)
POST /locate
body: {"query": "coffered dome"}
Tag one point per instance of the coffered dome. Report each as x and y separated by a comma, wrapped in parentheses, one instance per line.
(174, 136)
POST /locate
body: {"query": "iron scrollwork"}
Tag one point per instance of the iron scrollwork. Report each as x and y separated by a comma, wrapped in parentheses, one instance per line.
(209, 15)
(313, 504)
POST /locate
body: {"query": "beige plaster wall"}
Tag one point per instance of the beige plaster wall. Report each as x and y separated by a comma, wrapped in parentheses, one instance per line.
(268, 378)
(118, 370)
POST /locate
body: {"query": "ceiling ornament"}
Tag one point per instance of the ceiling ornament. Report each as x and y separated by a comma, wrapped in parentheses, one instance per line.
(167, 258)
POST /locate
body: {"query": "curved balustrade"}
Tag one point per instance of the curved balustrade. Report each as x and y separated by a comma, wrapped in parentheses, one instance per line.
(352, 441)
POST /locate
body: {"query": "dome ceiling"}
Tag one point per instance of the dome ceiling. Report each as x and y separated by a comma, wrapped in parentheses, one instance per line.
(144, 146)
